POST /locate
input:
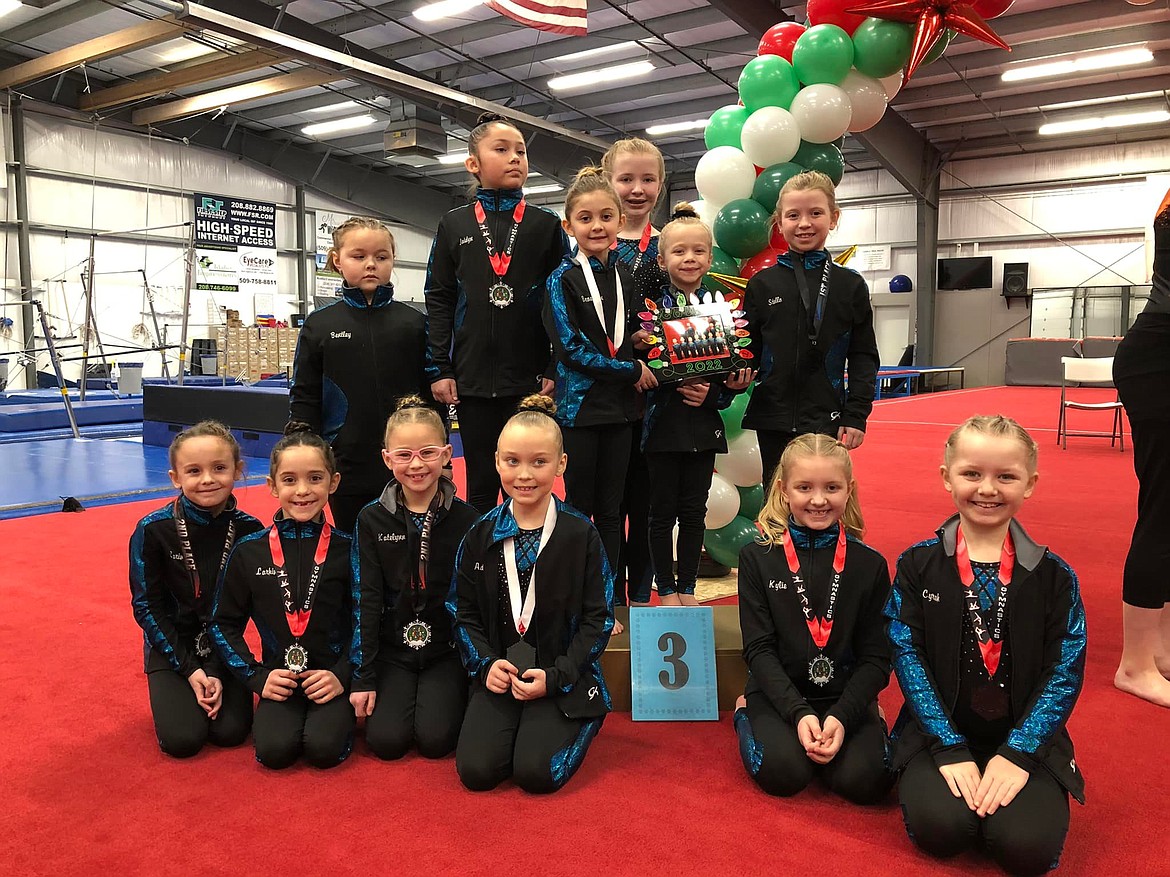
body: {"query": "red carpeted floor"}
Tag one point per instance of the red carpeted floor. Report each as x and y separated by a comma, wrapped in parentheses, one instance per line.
(86, 791)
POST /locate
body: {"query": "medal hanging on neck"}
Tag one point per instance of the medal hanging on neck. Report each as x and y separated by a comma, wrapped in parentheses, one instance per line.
(203, 638)
(990, 640)
(619, 322)
(522, 610)
(417, 634)
(814, 311)
(643, 245)
(820, 668)
(296, 656)
(500, 293)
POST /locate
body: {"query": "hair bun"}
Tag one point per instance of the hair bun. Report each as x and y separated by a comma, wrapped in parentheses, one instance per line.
(539, 403)
(412, 400)
(684, 209)
(488, 117)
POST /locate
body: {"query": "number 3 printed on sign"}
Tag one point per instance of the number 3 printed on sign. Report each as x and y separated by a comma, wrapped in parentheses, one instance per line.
(673, 647)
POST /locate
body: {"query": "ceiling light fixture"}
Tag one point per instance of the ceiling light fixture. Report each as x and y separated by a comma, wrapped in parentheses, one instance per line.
(541, 190)
(329, 108)
(7, 6)
(1098, 123)
(604, 74)
(595, 53)
(676, 127)
(445, 9)
(453, 158)
(1128, 57)
(337, 125)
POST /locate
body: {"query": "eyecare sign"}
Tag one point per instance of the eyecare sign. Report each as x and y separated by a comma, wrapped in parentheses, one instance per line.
(235, 244)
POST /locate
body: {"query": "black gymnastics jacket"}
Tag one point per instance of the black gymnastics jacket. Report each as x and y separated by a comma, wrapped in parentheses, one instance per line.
(593, 388)
(574, 601)
(162, 591)
(250, 589)
(802, 381)
(1046, 639)
(777, 645)
(385, 558)
(354, 360)
(488, 350)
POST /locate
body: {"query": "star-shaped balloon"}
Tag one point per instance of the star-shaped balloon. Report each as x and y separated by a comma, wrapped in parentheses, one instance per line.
(930, 18)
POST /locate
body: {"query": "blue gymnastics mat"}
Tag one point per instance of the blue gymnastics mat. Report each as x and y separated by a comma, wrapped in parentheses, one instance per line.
(52, 415)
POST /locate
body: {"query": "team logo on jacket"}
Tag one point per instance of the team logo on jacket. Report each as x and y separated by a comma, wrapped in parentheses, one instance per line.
(834, 415)
(340, 335)
(593, 692)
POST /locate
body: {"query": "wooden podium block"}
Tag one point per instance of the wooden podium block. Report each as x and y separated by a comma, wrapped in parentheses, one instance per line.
(730, 670)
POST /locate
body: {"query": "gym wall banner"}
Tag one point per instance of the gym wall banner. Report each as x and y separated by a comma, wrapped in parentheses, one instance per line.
(328, 283)
(235, 245)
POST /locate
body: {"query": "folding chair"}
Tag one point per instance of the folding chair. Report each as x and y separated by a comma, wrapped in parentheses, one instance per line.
(1076, 372)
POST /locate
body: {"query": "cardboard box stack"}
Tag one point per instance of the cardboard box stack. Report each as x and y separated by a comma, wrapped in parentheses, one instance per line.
(255, 352)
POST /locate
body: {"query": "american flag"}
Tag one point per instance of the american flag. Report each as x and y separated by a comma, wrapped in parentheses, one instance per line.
(555, 16)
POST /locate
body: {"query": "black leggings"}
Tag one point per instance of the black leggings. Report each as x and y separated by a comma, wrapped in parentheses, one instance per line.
(181, 725)
(772, 445)
(774, 758)
(423, 707)
(1146, 583)
(532, 742)
(345, 506)
(679, 484)
(480, 423)
(634, 571)
(1025, 837)
(284, 730)
(596, 478)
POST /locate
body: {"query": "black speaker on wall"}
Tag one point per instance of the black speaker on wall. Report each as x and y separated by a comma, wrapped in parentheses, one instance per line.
(1015, 280)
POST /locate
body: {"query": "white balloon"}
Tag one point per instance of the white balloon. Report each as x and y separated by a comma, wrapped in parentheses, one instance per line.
(741, 465)
(892, 83)
(724, 174)
(822, 111)
(705, 210)
(722, 503)
(770, 136)
(867, 98)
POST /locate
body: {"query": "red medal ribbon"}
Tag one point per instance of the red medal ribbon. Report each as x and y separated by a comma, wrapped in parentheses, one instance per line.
(298, 619)
(820, 628)
(643, 245)
(500, 261)
(990, 643)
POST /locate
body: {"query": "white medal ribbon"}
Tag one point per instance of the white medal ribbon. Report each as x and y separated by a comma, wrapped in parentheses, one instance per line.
(522, 615)
(697, 297)
(619, 316)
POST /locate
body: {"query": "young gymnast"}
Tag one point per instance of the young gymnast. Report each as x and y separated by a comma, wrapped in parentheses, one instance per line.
(683, 431)
(408, 681)
(353, 359)
(484, 289)
(532, 600)
(176, 554)
(293, 582)
(988, 633)
(587, 314)
(810, 607)
(812, 319)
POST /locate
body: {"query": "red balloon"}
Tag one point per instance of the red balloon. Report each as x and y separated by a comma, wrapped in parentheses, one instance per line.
(776, 241)
(780, 39)
(834, 12)
(991, 8)
(757, 263)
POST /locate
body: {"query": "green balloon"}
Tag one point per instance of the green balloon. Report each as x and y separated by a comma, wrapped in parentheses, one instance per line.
(822, 54)
(751, 500)
(823, 157)
(724, 544)
(741, 228)
(769, 183)
(881, 48)
(721, 263)
(724, 126)
(940, 46)
(767, 81)
(733, 415)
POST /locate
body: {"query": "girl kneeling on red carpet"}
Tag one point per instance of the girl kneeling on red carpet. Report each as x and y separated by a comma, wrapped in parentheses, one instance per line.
(532, 600)
(176, 554)
(810, 608)
(293, 581)
(988, 632)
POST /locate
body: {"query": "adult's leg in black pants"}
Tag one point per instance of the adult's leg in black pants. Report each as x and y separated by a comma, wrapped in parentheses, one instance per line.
(772, 445)
(694, 476)
(941, 824)
(480, 423)
(441, 704)
(234, 721)
(858, 773)
(329, 731)
(664, 492)
(483, 756)
(180, 724)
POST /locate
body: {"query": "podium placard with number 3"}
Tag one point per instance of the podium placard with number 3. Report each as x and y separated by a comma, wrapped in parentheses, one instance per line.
(672, 664)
